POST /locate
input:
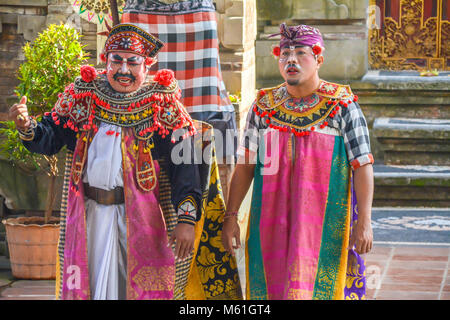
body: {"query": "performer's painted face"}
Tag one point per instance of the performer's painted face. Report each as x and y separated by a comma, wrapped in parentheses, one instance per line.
(126, 72)
(298, 64)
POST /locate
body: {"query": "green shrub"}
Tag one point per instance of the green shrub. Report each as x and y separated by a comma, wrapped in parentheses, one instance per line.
(52, 62)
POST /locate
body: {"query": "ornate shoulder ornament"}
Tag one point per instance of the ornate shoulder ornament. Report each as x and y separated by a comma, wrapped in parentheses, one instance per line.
(156, 107)
(301, 116)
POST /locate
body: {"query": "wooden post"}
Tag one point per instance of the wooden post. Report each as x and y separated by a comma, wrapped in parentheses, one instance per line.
(114, 11)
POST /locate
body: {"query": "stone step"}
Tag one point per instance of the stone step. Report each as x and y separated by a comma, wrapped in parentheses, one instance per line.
(409, 186)
(407, 141)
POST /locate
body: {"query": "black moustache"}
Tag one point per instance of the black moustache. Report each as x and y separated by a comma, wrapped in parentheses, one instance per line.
(130, 76)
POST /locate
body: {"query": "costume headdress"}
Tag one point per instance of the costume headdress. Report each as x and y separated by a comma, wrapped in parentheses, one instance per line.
(130, 38)
(301, 35)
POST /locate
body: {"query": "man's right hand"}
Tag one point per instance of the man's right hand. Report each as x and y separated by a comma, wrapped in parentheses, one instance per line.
(231, 230)
(19, 114)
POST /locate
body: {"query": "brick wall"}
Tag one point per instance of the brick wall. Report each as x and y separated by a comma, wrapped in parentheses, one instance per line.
(21, 21)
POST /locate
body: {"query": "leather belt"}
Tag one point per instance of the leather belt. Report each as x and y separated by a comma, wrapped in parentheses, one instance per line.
(115, 196)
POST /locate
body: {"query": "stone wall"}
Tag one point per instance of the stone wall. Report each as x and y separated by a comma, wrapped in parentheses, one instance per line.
(343, 26)
(21, 21)
(237, 34)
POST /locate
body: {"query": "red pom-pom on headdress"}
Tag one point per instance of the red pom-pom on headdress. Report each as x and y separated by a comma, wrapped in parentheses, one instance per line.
(88, 73)
(164, 77)
(276, 51)
(102, 57)
(317, 49)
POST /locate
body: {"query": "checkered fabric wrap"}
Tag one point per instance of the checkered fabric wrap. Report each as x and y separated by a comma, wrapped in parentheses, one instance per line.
(350, 122)
(353, 126)
(62, 225)
(191, 50)
(168, 7)
(171, 218)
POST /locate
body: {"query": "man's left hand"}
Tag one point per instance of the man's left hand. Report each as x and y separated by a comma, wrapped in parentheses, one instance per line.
(362, 237)
(183, 237)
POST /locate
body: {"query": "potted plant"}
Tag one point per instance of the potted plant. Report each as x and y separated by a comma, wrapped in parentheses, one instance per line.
(235, 100)
(52, 61)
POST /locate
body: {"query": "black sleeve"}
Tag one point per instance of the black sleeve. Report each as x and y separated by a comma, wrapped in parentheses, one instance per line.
(49, 138)
(184, 176)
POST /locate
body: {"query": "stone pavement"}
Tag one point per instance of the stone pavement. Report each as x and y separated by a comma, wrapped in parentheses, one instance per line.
(408, 273)
(15, 289)
(410, 259)
(393, 273)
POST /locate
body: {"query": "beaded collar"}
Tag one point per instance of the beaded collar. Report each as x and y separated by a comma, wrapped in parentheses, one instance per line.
(301, 116)
(152, 108)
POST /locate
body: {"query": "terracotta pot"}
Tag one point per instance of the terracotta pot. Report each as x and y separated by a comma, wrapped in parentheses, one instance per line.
(32, 247)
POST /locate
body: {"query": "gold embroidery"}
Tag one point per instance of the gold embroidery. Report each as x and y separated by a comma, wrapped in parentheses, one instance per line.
(354, 277)
(299, 294)
(150, 278)
(303, 272)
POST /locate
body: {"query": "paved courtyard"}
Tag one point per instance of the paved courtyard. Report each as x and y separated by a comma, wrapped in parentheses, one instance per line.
(410, 260)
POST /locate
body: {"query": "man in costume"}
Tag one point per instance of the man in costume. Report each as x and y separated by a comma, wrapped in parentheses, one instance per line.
(310, 216)
(132, 214)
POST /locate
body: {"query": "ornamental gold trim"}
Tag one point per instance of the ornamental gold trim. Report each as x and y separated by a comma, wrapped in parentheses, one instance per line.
(414, 42)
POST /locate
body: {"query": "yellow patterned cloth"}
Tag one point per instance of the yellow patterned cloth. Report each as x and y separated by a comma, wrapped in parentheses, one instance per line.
(213, 272)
